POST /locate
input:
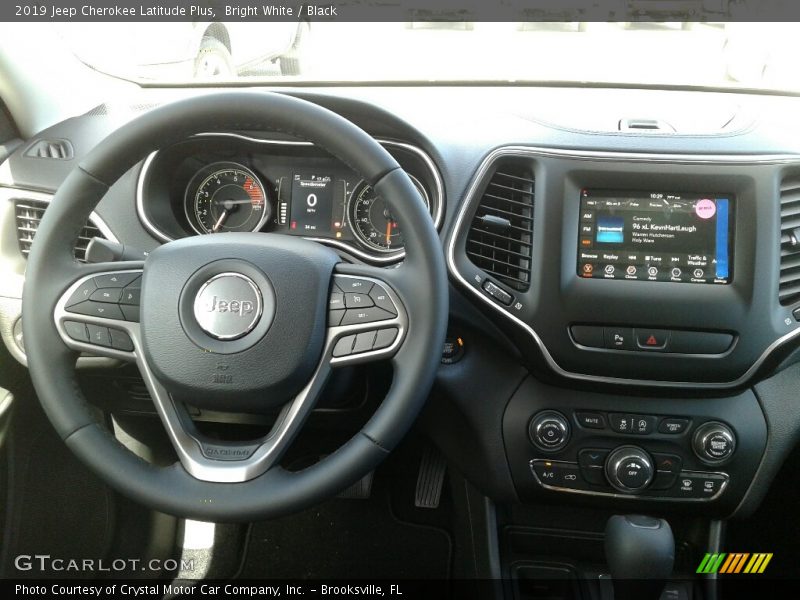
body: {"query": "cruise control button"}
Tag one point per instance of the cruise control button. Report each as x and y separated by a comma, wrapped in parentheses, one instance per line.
(335, 317)
(673, 425)
(385, 338)
(98, 335)
(130, 313)
(364, 342)
(591, 420)
(116, 280)
(354, 316)
(84, 292)
(111, 295)
(97, 309)
(357, 300)
(77, 331)
(382, 300)
(121, 340)
(344, 346)
(336, 301)
(131, 295)
(359, 286)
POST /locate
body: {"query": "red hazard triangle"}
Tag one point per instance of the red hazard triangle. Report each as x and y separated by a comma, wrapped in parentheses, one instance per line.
(651, 341)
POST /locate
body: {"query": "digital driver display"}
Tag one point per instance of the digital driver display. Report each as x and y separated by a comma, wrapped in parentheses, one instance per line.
(312, 203)
(656, 236)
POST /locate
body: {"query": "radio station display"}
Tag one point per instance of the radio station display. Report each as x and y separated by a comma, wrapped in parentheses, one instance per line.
(312, 203)
(656, 236)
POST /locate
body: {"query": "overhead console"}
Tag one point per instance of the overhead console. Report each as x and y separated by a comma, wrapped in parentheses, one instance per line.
(654, 270)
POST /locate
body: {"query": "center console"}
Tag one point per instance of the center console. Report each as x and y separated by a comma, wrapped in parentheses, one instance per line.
(596, 447)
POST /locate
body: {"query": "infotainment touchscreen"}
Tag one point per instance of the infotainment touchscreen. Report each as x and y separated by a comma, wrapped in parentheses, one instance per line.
(656, 236)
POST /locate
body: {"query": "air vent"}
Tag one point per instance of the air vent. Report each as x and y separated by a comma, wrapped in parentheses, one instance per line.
(56, 149)
(789, 291)
(29, 213)
(500, 237)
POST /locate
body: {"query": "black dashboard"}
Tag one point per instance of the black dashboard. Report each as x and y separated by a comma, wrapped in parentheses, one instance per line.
(611, 289)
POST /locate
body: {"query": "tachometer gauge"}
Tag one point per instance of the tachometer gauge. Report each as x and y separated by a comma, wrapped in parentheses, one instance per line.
(226, 197)
(371, 220)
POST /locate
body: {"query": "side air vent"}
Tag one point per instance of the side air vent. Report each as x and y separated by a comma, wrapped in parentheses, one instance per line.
(29, 214)
(57, 149)
(789, 290)
(499, 241)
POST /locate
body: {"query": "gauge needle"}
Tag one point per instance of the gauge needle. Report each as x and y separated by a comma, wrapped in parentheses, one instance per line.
(220, 221)
(388, 232)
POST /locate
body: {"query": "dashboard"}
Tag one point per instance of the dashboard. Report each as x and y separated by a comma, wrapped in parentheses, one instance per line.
(231, 181)
(610, 289)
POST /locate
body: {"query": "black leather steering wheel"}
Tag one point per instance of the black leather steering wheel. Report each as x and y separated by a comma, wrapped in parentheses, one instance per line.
(235, 321)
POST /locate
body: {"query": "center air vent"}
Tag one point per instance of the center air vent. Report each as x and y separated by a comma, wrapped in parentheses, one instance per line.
(500, 236)
(29, 214)
(789, 290)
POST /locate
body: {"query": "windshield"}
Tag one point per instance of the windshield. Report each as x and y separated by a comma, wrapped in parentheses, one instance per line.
(753, 55)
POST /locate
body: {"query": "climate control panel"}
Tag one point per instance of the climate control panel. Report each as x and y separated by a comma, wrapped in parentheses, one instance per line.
(603, 448)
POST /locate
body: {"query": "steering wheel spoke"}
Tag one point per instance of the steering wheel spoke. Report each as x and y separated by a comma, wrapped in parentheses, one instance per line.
(367, 320)
(99, 312)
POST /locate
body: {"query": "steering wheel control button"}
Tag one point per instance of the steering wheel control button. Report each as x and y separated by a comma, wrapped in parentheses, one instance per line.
(629, 469)
(673, 426)
(590, 420)
(131, 313)
(76, 331)
(116, 280)
(549, 431)
(498, 293)
(228, 306)
(335, 317)
(131, 295)
(99, 335)
(588, 335)
(353, 316)
(111, 295)
(120, 340)
(336, 301)
(353, 300)
(385, 338)
(618, 338)
(714, 443)
(344, 347)
(382, 300)
(83, 293)
(364, 342)
(97, 309)
(352, 285)
(655, 340)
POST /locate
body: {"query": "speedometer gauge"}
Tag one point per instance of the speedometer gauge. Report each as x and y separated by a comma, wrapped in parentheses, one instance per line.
(226, 197)
(372, 221)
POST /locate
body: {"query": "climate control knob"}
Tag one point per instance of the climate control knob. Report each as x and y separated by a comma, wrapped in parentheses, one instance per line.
(549, 431)
(629, 469)
(714, 443)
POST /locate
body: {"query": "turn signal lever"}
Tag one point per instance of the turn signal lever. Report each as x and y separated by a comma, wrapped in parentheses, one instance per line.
(101, 250)
(640, 552)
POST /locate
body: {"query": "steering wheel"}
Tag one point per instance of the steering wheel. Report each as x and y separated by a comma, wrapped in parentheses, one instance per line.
(235, 322)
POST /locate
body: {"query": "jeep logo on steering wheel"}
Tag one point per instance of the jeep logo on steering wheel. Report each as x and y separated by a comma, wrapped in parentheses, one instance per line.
(228, 306)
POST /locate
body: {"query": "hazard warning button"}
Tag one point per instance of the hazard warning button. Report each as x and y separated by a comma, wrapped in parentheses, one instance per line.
(652, 339)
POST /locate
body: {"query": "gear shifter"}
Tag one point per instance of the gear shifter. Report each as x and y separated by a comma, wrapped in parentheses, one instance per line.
(640, 551)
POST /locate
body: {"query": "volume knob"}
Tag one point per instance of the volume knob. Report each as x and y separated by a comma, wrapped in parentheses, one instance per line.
(549, 431)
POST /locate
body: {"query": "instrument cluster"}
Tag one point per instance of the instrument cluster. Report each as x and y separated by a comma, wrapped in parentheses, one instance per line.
(217, 183)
